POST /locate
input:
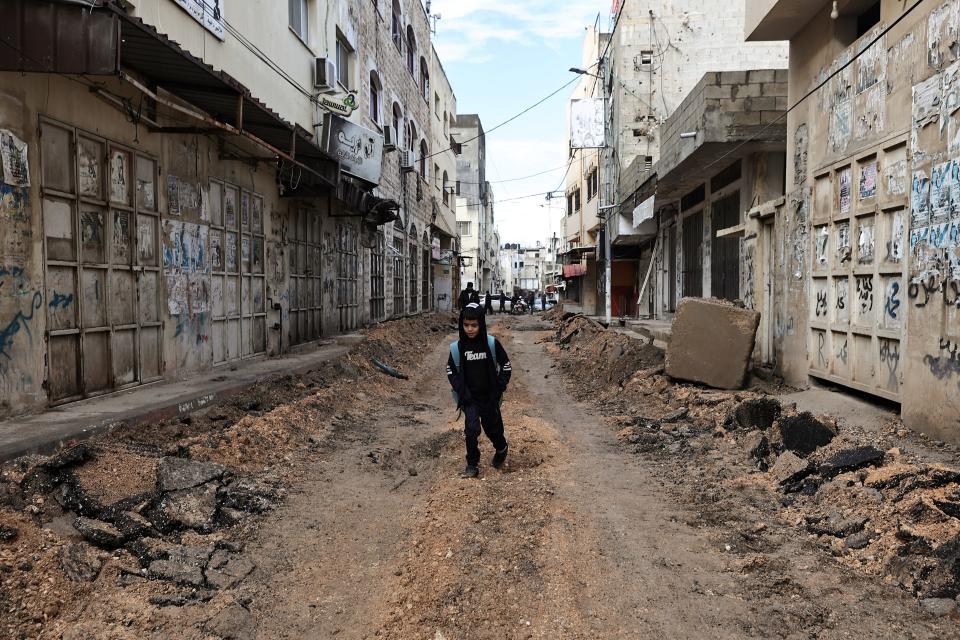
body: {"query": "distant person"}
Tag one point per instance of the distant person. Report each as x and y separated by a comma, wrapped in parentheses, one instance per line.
(543, 301)
(531, 297)
(479, 371)
(503, 300)
(468, 295)
(488, 304)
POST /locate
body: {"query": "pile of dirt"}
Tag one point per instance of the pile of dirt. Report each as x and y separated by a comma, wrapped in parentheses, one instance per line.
(602, 359)
(161, 511)
(856, 493)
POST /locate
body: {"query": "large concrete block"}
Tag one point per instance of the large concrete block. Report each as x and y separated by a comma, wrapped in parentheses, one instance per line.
(712, 342)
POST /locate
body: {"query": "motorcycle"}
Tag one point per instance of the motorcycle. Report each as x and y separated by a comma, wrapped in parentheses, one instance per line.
(519, 308)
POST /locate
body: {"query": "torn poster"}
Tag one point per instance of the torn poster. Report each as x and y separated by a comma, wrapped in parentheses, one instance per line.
(13, 152)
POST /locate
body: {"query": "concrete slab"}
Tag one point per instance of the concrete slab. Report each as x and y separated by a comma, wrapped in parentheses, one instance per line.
(712, 343)
(48, 431)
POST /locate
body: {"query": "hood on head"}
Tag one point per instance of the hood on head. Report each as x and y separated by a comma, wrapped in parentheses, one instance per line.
(483, 322)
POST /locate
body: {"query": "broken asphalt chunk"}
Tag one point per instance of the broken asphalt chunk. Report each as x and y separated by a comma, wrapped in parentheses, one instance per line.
(190, 508)
(225, 569)
(850, 460)
(757, 445)
(790, 468)
(80, 562)
(174, 474)
(102, 534)
(837, 526)
(7, 533)
(250, 495)
(71, 457)
(756, 413)
(803, 433)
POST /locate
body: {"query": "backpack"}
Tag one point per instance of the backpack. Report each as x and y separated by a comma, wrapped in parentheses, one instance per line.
(455, 353)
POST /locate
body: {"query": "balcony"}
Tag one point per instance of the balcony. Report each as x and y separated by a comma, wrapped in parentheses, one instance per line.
(768, 20)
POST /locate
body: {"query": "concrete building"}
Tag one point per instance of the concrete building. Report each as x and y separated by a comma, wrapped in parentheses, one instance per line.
(860, 253)
(446, 248)
(659, 52)
(181, 200)
(475, 204)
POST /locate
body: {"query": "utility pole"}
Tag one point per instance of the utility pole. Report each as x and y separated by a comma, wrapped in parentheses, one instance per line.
(604, 195)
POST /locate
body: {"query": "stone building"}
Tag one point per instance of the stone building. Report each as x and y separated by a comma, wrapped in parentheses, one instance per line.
(861, 250)
(475, 205)
(188, 185)
(659, 53)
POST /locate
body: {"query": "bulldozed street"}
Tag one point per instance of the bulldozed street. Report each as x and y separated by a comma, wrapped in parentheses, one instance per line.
(330, 505)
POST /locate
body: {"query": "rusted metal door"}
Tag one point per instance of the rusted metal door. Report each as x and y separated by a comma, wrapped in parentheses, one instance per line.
(101, 234)
(398, 272)
(305, 253)
(348, 274)
(692, 242)
(237, 272)
(425, 265)
(377, 260)
(725, 253)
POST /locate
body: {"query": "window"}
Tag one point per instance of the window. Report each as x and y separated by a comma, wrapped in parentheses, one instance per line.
(646, 58)
(445, 125)
(576, 200)
(411, 50)
(647, 163)
(868, 19)
(446, 194)
(299, 18)
(436, 106)
(463, 229)
(397, 122)
(593, 184)
(375, 90)
(396, 26)
(425, 81)
(343, 62)
(569, 204)
(411, 137)
(423, 159)
(458, 187)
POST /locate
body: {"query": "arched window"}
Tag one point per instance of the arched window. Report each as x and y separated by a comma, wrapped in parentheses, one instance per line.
(446, 193)
(397, 122)
(396, 26)
(376, 90)
(411, 50)
(424, 79)
(423, 159)
(413, 231)
(411, 139)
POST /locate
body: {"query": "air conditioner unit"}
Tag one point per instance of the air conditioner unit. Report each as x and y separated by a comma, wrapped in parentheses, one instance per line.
(324, 75)
(407, 160)
(389, 139)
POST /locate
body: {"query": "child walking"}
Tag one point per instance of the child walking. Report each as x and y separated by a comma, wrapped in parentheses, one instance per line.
(479, 371)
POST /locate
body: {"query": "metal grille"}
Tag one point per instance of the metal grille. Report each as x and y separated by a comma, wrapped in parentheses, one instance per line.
(725, 253)
(102, 276)
(427, 273)
(414, 277)
(692, 235)
(398, 273)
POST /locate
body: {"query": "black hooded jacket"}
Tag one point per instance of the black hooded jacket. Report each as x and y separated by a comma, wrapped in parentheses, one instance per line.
(478, 379)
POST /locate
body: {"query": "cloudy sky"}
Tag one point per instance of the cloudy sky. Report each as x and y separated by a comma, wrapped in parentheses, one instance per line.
(503, 56)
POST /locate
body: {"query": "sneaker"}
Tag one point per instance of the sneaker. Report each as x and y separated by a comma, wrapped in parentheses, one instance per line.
(470, 472)
(500, 457)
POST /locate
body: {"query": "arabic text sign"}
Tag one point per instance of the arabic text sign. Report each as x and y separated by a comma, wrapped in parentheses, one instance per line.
(209, 13)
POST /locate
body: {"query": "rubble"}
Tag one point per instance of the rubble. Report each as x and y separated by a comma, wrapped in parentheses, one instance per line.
(756, 413)
(836, 525)
(790, 468)
(98, 533)
(80, 562)
(712, 342)
(802, 433)
(174, 474)
(188, 508)
(850, 460)
(757, 445)
(7, 533)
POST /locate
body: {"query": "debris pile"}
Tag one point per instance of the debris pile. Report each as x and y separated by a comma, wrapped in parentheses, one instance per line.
(856, 493)
(158, 511)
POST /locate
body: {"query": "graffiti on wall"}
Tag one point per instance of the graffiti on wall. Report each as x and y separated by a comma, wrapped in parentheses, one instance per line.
(945, 364)
(801, 149)
(799, 231)
(186, 267)
(19, 322)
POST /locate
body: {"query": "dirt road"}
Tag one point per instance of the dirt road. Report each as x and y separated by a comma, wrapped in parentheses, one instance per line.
(380, 538)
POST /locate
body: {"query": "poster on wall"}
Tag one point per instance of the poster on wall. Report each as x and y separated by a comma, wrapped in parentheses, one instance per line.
(586, 124)
(868, 180)
(13, 152)
(245, 210)
(208, 13)
(119, 177)
(846, 177)
(257, 214)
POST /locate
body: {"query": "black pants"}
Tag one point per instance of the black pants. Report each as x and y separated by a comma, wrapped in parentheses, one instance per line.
(485, 415)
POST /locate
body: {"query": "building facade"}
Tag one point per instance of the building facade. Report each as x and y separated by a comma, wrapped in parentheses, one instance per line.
(239, 184)
(866, 231)
(475, 205)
